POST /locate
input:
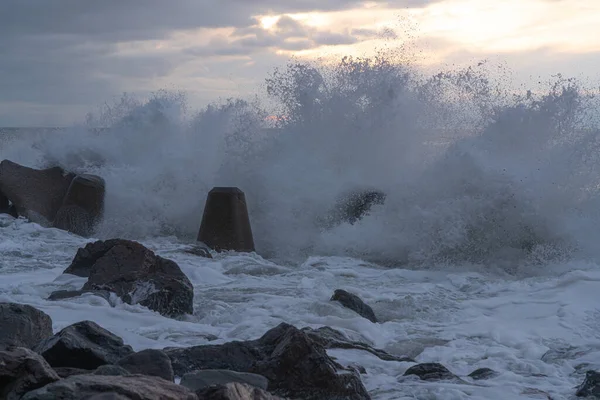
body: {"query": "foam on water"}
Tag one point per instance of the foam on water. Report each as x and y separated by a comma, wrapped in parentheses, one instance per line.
(484, 254)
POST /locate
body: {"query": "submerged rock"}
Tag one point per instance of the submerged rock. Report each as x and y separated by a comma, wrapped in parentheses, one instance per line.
(135, 274)
(22, 325)
(354, 303)
(139, 387)
(483, 373)
(22, 370)
(590, 387)
(431, 372)
(83, 345)
(295, 365)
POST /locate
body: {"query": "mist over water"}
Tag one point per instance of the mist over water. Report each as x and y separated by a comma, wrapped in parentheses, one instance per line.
(474, 172)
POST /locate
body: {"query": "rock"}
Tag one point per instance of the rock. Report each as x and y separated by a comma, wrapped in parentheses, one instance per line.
(22, 370)
(431, 372)
(149, 362)
(202, 379)
(68, 294)
(83, 345)
(483, 373)
(352, 207)
(199, 249)
(82, 206)
(225, 223)
(108, 396)
(590, 385)
(295, 365)
(135, 274)
(111, 370)
(354, 303)
(22, 325)
(36, 193)
(235, 391)
(65, 372)
(330, 338)
(139, 387)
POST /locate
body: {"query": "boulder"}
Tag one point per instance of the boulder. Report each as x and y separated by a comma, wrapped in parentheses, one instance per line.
(23, 325)
(111, 370)
(149, 362)
(36, 193)
(22, 370)
(135, 274)
(139, 387)
(483, 373)
(108, 396)
(235, 391)
(354, 303)
(65, 372)
(295, 365)
(590, 387)
(83, 345)
(330, 338)
(431, 372)
(82, 206)
(210, 377)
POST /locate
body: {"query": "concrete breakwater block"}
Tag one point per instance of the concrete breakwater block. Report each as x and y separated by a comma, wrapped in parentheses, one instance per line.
(225, 222)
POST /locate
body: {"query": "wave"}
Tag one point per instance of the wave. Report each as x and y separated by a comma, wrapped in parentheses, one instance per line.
(473, 170)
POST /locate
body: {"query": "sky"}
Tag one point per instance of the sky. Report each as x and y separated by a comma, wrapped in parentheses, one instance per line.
(61, 59)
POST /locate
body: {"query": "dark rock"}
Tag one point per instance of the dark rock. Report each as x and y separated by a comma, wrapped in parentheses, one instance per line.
(200, 250)
(209, 377)
(590, 385)
(111, 370)
(108, 396)
(22, 370)
(558, 355)
(149, 362)
(354, 303)
(83, 205)
(83, 345)
(138, 387)
(68, 294)
(483, 373)
(22, 325)
(235, 391)
(295, 365)
(65, 372)
(135, 274)
(36, 194)
(352, 207)
(330, 338)
(431, 372)
(225, 224)
(536, 394)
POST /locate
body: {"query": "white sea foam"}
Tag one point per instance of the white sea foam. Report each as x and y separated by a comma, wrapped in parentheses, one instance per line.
(484, 254)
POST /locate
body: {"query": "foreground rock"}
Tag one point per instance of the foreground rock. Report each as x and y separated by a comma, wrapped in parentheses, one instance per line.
(330, 338)
(235, 391)
(137, 387)
(53, 196)
(354, 303)
(22, 370)
(590, 387)
(135, 274)
(295, 365)
(198, 380)
(148, 362)
(22, 325)
(83, 345)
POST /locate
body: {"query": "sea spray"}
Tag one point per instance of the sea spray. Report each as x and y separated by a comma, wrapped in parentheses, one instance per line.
(474, 172)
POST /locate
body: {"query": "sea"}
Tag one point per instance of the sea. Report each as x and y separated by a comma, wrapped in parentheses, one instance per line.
(485, 253)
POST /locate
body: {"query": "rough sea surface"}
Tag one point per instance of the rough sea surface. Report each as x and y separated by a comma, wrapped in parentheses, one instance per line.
(485, 253)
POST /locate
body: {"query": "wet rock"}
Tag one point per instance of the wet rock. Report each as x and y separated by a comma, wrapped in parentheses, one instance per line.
(235, 391)
(108, 396)
(83, 345)
(65, 372)
(483, 373)
(111, 370)
(82, 206)
(330, 338)
(590, 387)
(199, 249)
(36, 193)
(148, 362)
(139, 387)
(431, 372)
(22, 370)
(295, 365)
(536, 394)
(354, 303)
(22, 325)
(135, 274)
(209, 377)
